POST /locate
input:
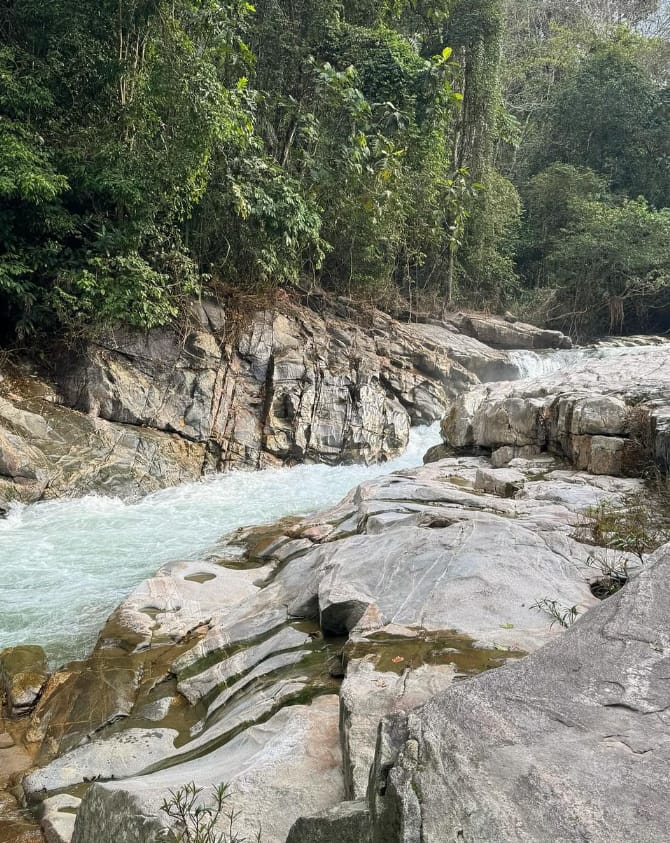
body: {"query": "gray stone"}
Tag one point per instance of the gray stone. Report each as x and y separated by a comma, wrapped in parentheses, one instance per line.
(58, 817)
(345, 823)
(135, 411)
(505, 482)
(603, 416)
(502, 333)
(427, 575)
(231, 667)
(504, 456)
(570, 743)
(367, 696)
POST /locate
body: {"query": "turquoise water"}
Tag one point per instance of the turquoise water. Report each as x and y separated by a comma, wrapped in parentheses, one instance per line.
(65, 564)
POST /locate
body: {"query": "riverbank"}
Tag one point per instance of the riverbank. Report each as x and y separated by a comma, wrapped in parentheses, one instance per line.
(267, 659)
(135, 412)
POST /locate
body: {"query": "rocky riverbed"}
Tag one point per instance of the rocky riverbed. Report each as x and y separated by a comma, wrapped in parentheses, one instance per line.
(429, 660)
(135, 412)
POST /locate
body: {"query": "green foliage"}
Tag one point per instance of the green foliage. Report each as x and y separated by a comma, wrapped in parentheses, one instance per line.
(602, 255)
(630, 524)
(196, 821)
(611, 116)
(150, 150)
(564, 616)
(592, 163)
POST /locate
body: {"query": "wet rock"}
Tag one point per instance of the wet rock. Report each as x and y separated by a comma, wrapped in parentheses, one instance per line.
(228, 668)
(85, 698)
(437, 452)
(479, 763)
(23, 673)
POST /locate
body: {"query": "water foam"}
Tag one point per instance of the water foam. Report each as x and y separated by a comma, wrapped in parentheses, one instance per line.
(66, 564)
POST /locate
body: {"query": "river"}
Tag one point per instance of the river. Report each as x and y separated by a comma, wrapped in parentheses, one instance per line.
(65, 564)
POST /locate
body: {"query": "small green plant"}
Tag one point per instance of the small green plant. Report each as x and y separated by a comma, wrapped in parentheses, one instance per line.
(630, 525)
(196, 821)
(614, 570)
(559, 614)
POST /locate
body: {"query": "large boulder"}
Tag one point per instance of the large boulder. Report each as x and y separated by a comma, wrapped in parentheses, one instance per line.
(508, 333)
(568, 744)
(228, 670)
(607, 415)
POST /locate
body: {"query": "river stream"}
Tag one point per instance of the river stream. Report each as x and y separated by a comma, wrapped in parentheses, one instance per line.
(65, 564)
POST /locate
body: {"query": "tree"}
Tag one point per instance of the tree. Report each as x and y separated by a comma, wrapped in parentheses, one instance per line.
(606, 259)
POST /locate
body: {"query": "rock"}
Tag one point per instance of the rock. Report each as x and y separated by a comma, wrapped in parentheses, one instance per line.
(586, 760)
(116, 757)
(23, 672)
(504, 456)
(485, 362)
(225, 670)
(135, 411)
(214, 674)
(368, 695)
(58, 817)
(606, 455)
(81, 701)
(501, 333)
(347, 822)
(436, 453)
(276, 771)
(505, 482)
(605, 417)
(47, 450)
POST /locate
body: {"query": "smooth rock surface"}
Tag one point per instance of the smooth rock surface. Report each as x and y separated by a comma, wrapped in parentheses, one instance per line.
(276, 771)
(569, 744)
(501, 333)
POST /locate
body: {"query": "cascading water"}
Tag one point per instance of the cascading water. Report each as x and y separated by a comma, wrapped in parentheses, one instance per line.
(67, 563)
(535, 364)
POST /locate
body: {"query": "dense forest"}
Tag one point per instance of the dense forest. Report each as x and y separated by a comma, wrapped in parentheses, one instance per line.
(421, 154)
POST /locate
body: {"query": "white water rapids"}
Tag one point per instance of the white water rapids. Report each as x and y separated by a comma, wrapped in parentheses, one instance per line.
(534, 364)
(65, 564)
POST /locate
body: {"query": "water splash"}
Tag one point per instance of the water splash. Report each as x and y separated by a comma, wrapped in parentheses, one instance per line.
(65, 564)
(536, 364)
